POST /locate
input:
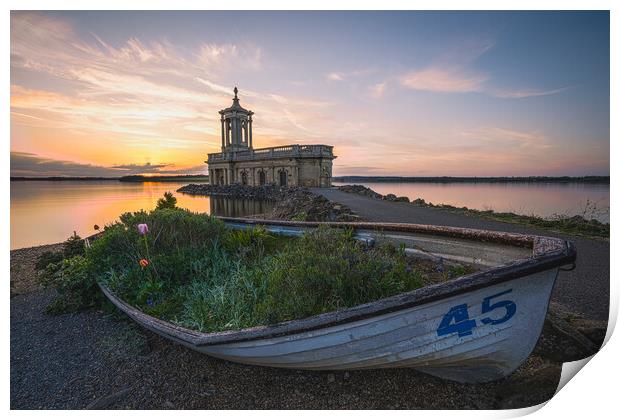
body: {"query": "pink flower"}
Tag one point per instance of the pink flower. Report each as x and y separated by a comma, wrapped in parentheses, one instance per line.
(143, 229)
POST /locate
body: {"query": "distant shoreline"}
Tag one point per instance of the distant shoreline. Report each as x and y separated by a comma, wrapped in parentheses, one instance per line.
(350, 179)
(458, 179)
(129, 178)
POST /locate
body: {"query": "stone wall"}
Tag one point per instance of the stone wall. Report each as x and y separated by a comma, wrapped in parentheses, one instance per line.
(307, 172)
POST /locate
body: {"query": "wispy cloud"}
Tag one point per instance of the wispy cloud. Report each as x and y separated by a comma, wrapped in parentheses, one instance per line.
(525, 93)
(507, 139)
(454, 72)
(459, 80)
(211, 55)
(444, 80)
(339, 76)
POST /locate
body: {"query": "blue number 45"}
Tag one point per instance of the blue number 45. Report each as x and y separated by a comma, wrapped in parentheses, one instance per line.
(456, 320)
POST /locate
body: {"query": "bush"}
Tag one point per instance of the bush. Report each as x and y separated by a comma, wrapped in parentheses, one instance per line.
(73, 246)
(73, 281)
(47, 258)
(168, 202)
(66, 271)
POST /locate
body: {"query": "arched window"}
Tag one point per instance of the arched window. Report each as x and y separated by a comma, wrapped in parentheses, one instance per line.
(244, 178)
(283, 177)
(261, 177)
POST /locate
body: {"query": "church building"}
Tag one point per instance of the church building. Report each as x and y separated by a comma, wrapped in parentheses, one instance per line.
(239, 162)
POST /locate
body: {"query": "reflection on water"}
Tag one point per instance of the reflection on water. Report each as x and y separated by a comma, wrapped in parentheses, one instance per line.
(233, 207)
(540, 199)
(44, 212)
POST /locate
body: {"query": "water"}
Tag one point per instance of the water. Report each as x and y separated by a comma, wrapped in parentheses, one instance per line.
(538, 199)
(45, 212)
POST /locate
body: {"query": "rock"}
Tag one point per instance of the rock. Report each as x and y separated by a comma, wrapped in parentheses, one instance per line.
(346, 375)
(361, 190)
(517, 391)
(107, 400)
(419, 202)
(561, 339)
(331, 378)
(402, 199)
(291, 203)
(594, 330)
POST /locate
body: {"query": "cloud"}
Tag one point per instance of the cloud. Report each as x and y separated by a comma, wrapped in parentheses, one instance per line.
(525, 93)
(214, 55)
(508, 140)
(453, 72)
(444, 80)
(29, 164)
(338, 76)
(335, 77)
(147, 167)
(436, 79)
(377, 90)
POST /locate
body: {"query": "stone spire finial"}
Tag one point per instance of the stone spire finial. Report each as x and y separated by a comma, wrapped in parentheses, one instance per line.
(236, 90)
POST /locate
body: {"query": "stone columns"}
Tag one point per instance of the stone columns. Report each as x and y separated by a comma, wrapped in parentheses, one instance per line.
(227, 124)
(232, 131)
(223, 134)
(250, 133)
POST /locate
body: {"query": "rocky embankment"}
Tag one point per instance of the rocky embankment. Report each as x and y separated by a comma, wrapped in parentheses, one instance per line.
(365, 191)
(291, 203)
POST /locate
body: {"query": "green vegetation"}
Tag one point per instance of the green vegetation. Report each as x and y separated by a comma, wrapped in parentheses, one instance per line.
(581, 225)
(168, 202)
(68, 272)
(191, 269)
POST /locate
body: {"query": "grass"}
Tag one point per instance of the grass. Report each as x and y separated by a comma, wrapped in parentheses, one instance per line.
(581, 225)
(202, 275)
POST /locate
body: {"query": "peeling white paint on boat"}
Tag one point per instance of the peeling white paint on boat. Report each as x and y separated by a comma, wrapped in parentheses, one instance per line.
(476, 328)
(408, 338)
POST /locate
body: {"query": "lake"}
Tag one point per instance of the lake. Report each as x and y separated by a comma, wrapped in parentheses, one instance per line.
(539, 199)
(44, 212)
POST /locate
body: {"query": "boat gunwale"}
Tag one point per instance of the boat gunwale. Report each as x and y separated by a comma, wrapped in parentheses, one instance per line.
(547, 253)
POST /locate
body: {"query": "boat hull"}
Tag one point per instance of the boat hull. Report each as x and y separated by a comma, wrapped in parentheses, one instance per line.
(474, 329)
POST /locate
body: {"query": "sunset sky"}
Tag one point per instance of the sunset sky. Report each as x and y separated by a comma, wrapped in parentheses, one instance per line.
(396, 93)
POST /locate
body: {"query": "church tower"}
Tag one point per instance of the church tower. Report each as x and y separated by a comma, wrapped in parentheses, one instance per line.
(308, 165)
(236, 127)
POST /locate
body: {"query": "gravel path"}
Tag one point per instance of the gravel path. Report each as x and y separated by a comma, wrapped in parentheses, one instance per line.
(584, 290)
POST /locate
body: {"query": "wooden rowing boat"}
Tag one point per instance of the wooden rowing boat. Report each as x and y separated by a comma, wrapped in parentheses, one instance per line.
(475, 328)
